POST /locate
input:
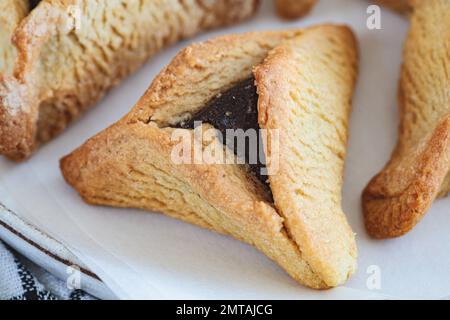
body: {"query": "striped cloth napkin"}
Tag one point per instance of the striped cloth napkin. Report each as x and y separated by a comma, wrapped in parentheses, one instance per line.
(20, 279)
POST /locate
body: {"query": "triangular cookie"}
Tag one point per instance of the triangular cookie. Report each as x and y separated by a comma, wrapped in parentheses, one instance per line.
(397, 198)
(304, 82)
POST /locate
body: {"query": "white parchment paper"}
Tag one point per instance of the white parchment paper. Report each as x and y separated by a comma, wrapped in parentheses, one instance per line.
(146, 255)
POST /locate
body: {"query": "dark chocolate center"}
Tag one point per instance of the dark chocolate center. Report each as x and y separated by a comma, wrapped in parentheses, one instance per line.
(236, 108)
(33, 3)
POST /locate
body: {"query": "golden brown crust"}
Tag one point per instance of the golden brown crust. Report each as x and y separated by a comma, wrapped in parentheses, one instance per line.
(397, 198)
(71, 52)
(11, 14)
(130, 163)
(294, 9)
(301, 88)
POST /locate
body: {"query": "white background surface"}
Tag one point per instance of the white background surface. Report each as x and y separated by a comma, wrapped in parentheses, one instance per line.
(142, 255)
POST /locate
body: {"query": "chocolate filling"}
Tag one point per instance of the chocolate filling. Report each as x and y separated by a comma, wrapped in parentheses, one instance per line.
(236, 108)
(33, 3)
